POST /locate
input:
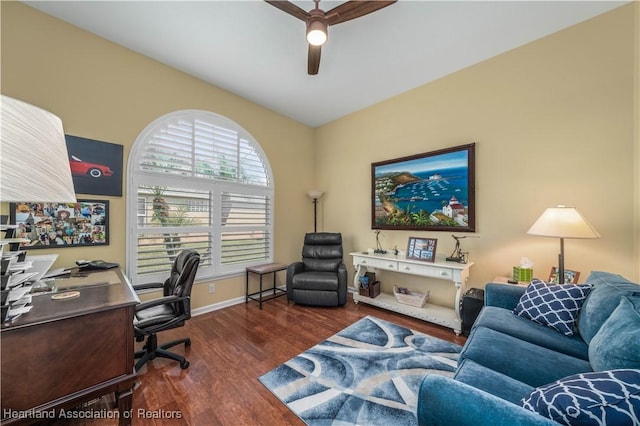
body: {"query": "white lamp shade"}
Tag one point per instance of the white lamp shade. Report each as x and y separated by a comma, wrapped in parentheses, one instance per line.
(315, 194)
(34, 165)
(563, 222)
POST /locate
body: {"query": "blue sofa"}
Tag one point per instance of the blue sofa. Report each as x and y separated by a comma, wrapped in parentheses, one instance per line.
(506, 356)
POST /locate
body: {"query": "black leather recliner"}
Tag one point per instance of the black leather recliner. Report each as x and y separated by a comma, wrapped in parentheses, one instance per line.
(321, 277)
(169, 311)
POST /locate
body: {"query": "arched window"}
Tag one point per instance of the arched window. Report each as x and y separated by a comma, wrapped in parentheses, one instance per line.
(197, 180)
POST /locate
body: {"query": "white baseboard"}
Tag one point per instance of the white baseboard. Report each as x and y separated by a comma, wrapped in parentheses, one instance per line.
(226, 303)
(217, 306)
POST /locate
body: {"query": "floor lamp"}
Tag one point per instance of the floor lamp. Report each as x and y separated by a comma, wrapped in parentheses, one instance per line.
(315, 195)
(562, 222)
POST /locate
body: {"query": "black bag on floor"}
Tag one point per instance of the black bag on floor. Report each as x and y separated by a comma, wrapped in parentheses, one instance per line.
(470, 306)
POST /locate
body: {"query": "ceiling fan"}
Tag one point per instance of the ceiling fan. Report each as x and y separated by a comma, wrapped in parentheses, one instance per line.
(318, 21)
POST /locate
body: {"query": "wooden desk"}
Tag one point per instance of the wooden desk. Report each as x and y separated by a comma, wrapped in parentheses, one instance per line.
(65, 352)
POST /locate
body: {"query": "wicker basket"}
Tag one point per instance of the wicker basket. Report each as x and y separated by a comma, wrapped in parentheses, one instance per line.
(412, 298)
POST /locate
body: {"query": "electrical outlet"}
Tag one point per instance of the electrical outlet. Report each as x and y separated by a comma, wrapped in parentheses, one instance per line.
(212, 288)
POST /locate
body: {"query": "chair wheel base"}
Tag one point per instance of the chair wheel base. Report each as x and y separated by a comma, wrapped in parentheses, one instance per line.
(151, 350)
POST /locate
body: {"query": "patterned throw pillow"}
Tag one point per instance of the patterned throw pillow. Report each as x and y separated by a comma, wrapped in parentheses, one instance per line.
(603, 398)
(553, 305)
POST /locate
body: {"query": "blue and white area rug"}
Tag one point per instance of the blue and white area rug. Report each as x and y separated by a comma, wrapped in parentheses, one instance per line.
(367, 374)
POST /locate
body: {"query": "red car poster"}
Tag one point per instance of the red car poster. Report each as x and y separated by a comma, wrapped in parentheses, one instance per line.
(96, 167)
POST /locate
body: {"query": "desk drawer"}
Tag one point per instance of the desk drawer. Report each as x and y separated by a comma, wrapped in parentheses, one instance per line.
(389, 265)
(426, 271)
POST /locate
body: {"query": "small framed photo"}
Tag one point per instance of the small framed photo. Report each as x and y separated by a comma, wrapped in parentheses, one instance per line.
(570, 277)
(422, 249)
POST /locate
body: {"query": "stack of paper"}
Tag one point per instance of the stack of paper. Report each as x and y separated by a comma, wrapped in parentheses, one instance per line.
(21, 278)
(20, 294)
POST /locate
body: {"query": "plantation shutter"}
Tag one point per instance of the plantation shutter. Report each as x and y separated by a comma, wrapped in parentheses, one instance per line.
(245, 228)
(199, 181)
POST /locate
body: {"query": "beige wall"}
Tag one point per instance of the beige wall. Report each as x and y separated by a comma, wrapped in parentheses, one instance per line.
(636, 138)
(554, 124)
(555, 121)
(105, 92)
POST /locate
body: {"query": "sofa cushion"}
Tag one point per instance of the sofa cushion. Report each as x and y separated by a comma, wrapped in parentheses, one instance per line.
(605, 296)
(617, 343)
(518, 359)
(491, 381)
(553, 305)
(503, 295)
(504, 321)
(445, 401)
(598, 398)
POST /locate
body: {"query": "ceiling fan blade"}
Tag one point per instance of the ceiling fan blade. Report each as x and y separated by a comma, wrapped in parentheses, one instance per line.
(313, 64)
(290, 8)
(354, 9)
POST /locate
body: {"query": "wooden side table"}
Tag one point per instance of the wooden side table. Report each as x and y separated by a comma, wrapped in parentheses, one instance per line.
(261, 270)
(505, 280)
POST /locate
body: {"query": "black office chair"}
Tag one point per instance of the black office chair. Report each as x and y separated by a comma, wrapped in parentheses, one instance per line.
(321, 277)
(169, 311)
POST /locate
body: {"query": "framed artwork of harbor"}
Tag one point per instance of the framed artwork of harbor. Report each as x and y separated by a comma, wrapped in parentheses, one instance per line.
(433, 191)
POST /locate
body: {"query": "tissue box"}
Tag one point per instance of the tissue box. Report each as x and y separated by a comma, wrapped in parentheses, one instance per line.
(522, 274)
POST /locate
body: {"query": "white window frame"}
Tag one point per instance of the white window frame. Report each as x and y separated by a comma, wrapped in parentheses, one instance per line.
(136, 175)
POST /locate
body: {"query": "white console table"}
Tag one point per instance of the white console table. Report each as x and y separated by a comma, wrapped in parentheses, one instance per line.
(455, 272)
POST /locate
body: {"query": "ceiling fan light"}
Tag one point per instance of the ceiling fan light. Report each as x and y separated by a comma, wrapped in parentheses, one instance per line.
(317, 33)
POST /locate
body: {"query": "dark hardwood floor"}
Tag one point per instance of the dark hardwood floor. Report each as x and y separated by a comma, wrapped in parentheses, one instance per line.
(230, 349)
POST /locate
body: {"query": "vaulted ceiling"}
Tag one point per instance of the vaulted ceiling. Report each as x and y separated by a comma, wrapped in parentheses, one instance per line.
(260, 53)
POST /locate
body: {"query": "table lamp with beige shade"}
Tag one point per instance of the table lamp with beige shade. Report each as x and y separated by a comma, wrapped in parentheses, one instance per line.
(563, 222)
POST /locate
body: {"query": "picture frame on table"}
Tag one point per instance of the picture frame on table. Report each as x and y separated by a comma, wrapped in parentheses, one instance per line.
(432, 191)
(570, 277)
(423, 249)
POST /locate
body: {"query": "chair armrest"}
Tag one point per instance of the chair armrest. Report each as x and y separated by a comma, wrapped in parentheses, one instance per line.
(155, 302)
(343, 282)
(146, 286)
(150, 325)
(292, 269)
(503, 295)
(342, 271)
(445, 401)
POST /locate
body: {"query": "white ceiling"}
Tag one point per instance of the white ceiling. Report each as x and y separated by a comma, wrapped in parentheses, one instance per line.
(258, 52)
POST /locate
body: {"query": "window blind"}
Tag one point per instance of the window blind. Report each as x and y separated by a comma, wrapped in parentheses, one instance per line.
(199, 181)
